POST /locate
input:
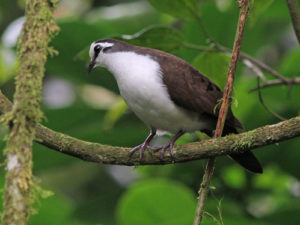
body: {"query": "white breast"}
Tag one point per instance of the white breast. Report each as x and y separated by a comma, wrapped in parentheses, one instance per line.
(140, 82)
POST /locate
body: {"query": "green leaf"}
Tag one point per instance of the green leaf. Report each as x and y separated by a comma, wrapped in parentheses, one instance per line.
(290, 64)
(214, 65)
(158, 37)
(114, 113)
(83, 55)
(156, 201)
(177, 8)
(258, 8)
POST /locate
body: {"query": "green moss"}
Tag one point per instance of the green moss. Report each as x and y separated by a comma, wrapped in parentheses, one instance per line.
(245, 141)
(26, 114)
(37, 193)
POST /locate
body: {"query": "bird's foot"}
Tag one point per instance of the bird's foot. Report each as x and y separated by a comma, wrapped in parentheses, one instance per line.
(169, 145)
(142, 147)
(163, 148)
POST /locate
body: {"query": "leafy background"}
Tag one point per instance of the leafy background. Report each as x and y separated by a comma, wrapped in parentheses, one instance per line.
(89, 107)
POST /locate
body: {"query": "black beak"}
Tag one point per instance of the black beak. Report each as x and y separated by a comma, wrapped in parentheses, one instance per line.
(91, 66)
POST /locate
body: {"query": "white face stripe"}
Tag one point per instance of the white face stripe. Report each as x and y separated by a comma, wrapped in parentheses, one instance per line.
(104, 44)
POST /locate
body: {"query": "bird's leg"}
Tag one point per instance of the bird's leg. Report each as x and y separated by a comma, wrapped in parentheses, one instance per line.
(169, 145)
(144, 145)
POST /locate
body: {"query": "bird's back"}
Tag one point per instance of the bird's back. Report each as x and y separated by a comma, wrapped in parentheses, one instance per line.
(190, 89)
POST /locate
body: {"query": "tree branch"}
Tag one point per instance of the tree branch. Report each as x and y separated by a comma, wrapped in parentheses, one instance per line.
(26, 114)
(243, 56)
(261, 100)
(261, 65)
(99, 153)
(270, 83)
(295, 16)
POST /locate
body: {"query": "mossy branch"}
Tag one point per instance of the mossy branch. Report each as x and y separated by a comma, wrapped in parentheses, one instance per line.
(25, 114)
(295, 16)
(99, 153)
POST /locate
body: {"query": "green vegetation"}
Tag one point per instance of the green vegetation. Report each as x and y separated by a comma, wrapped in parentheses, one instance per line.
(88, 107)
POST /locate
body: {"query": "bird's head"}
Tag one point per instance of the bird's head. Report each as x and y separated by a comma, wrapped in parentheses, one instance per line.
(100, 50)
(97, 52)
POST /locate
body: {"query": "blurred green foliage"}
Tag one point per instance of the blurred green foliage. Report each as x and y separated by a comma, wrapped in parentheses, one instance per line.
(137, 206)
(85, 193)
(215, 64)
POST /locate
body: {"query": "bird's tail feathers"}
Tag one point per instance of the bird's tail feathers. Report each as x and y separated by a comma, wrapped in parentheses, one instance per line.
(248, 161)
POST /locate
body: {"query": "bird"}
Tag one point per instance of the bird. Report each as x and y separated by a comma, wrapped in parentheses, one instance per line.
(167, 94)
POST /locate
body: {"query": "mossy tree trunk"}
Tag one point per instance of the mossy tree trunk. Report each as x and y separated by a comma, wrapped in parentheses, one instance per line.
(26, 114)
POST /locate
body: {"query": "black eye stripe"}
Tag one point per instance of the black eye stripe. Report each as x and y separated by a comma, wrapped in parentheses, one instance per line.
(107, 48)
(97, 48)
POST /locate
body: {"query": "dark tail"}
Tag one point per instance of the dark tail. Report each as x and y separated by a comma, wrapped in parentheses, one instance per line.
(246, 159)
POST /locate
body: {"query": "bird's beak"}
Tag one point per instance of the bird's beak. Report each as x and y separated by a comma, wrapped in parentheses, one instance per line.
(91, 66)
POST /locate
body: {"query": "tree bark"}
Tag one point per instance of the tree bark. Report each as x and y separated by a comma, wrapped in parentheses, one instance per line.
(107, 154)
(25, 114)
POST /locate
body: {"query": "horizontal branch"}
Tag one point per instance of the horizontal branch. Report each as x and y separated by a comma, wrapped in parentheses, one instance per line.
(107, 154)
(243, 56)
(94, 152)
(270, 83)
(264, 66)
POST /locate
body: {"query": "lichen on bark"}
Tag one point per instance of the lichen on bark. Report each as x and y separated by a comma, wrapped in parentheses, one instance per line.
(25, 115)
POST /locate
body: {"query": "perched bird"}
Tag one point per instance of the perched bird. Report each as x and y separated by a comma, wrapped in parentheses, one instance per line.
(166, 93)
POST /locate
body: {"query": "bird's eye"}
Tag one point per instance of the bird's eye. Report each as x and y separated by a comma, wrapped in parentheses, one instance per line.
(97, 48)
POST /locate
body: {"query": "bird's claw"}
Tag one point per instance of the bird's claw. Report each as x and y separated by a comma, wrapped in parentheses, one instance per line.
(163, 148)
(142, 148)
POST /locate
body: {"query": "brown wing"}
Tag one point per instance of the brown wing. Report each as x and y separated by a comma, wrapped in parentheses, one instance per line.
(192, 90)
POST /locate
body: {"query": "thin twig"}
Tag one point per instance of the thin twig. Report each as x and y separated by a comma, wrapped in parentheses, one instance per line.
(264, 66)
(198, 47)
(205, 32)
(295, 16)
(204, 189)
(264, 105)
(258, 63)
(255, 69)
(243, 56)
(214, 218)
(271, 83)
(194, 12)
(224, 109)
(220, 212)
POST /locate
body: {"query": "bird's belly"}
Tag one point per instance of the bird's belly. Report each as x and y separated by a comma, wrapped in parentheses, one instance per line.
(141, 85)
(155, 108)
